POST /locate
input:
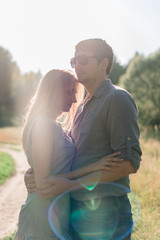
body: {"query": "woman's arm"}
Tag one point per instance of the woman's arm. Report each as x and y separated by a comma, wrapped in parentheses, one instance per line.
(89, 181)
(43, 140)
(107, 163)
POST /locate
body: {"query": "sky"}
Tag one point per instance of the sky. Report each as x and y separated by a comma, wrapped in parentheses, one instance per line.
(41, 34)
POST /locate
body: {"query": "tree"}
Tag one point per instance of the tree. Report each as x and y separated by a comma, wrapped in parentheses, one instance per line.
(117, 71)
(25, 91)
(5, 85)
(15, 88)
(142, 80)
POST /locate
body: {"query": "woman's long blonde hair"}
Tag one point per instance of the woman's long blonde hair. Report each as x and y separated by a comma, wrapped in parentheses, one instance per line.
(43, 102)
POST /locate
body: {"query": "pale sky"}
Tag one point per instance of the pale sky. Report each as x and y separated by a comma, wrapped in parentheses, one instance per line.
(41, 34)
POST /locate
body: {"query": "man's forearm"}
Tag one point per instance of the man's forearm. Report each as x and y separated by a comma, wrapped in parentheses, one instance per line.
(94, 178)
(125, 169)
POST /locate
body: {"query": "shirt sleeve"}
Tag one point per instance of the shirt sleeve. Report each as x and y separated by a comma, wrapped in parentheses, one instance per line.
(122, 127)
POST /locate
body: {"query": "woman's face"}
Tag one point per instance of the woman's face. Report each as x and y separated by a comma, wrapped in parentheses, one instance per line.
(67, 96)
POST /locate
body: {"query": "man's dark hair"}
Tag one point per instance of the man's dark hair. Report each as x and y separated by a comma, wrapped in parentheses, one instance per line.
(100, 50)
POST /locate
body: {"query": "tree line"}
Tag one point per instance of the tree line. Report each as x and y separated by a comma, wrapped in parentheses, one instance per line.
(16, 89)
(142, 80)
(141, 77)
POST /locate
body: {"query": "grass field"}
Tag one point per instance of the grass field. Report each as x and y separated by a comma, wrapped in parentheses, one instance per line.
(145, 185)
(6, 166)
(10, 135)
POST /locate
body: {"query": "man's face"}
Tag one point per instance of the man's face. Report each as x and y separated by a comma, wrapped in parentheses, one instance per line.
(89, 70)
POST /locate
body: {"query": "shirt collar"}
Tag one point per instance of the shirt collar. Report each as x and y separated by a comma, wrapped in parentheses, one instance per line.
(101, 88)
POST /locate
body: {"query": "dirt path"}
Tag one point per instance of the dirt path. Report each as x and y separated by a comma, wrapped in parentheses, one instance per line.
(12, 192)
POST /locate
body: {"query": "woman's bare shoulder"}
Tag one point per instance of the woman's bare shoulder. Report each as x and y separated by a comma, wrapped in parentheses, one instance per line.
(43, 126)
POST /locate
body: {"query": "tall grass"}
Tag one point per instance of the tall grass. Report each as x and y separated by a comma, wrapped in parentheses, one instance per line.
(10, 135)
(146, 185)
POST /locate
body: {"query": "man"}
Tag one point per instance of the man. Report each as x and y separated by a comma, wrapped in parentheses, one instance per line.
(105, 123)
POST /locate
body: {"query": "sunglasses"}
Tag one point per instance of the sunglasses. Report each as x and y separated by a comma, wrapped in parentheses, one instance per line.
(82, 60)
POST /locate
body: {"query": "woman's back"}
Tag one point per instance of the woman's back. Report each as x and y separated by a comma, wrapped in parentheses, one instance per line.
(33, 218)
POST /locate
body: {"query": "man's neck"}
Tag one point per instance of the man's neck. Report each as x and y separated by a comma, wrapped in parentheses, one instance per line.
(91, 88)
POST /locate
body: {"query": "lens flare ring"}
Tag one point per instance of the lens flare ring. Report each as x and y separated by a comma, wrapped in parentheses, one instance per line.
(94, 218)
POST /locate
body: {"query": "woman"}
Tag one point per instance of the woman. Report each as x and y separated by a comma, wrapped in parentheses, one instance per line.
(50, 151)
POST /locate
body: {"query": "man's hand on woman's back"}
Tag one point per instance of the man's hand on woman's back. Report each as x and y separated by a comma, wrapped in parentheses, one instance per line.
(29, 180)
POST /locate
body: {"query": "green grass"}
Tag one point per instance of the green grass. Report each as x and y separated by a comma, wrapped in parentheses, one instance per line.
(6, 166)
(15, 149)
(10, 237)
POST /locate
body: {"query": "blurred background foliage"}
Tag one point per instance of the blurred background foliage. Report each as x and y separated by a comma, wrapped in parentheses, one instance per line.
(141, 77)
(16, 89)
